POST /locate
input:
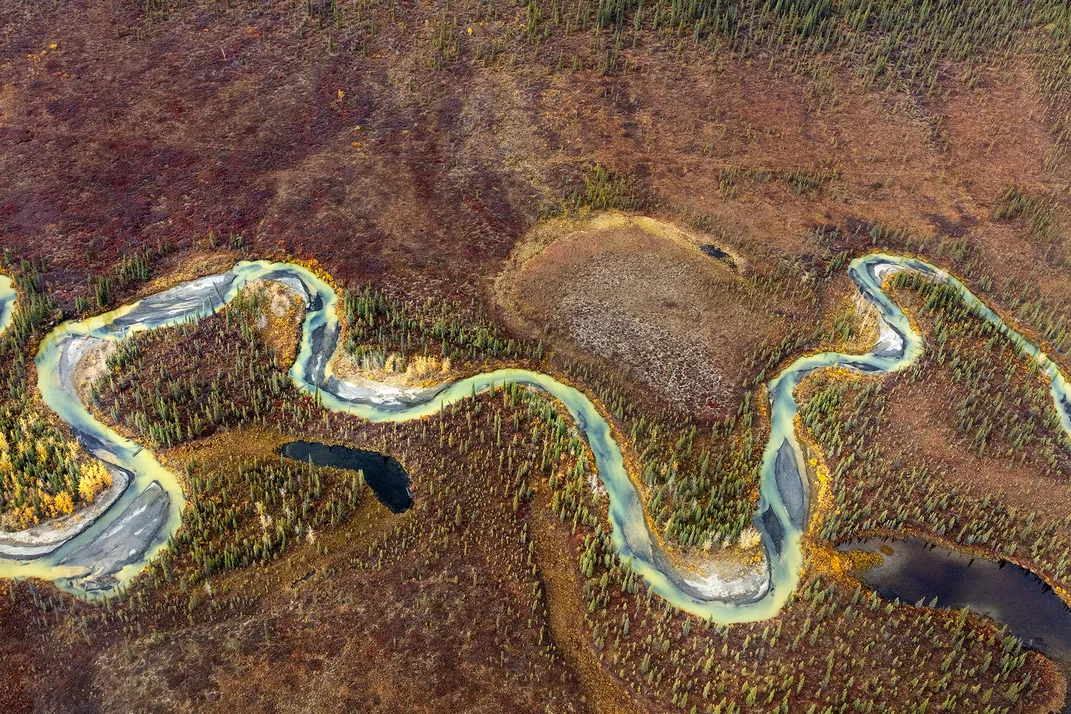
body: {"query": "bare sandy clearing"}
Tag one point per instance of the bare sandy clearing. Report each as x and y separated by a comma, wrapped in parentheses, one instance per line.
(643, 295)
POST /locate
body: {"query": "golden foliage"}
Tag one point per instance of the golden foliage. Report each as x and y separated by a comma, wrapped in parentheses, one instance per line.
(95, 478)
(421, 367)
(63, 503)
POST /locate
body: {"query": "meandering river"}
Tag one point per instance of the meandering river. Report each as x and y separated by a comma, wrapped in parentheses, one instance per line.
(111, 549)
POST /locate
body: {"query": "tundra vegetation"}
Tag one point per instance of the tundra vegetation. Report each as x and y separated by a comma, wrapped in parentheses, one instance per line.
(1000, 410)
(897, 45)
(835, 647)
(412, 143)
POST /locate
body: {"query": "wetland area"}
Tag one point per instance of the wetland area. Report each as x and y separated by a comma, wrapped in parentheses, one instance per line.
(565, 356)
(117, 546)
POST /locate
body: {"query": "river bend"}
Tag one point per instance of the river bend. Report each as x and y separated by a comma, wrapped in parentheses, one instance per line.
(103, 551)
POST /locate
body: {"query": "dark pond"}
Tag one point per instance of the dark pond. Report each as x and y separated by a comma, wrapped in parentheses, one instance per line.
(914, 570)
(713, 251)
(384, 475)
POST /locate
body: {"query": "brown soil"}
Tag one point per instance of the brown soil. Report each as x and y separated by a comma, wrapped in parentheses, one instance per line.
(641, 295)
(232, 125)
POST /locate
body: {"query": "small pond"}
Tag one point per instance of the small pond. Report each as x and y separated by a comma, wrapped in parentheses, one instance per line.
(715, 252)
(383, 474)
(914, 570)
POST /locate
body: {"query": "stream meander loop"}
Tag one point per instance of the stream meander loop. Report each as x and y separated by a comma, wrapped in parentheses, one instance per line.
(118, 544)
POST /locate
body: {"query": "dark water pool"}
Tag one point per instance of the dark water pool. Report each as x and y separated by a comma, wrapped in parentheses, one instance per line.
(383, 474)
(913, 570)
(713, 251)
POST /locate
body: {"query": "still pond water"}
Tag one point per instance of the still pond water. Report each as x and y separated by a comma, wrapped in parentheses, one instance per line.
(914, 570)
(383, 474)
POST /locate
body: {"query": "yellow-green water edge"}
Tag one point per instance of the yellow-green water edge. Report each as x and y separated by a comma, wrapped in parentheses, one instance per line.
(8, 295)
(783, 502)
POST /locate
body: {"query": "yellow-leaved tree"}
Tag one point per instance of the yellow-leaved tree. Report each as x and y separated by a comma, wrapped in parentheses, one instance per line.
(95, 478)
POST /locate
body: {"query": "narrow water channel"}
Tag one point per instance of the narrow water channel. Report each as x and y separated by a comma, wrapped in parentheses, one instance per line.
(116, 546)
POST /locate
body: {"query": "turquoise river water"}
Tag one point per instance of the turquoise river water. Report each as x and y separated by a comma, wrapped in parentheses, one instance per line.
(116, 545)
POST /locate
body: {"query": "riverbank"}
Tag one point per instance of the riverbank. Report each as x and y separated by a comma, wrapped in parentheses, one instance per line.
(631, 532)
(611, 581)
(46, 537)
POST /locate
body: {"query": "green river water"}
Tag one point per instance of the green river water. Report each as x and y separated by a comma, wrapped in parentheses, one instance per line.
(112, 550)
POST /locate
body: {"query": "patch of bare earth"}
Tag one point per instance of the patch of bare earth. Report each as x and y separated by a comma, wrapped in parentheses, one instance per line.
(641, 295)
(281, 322)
